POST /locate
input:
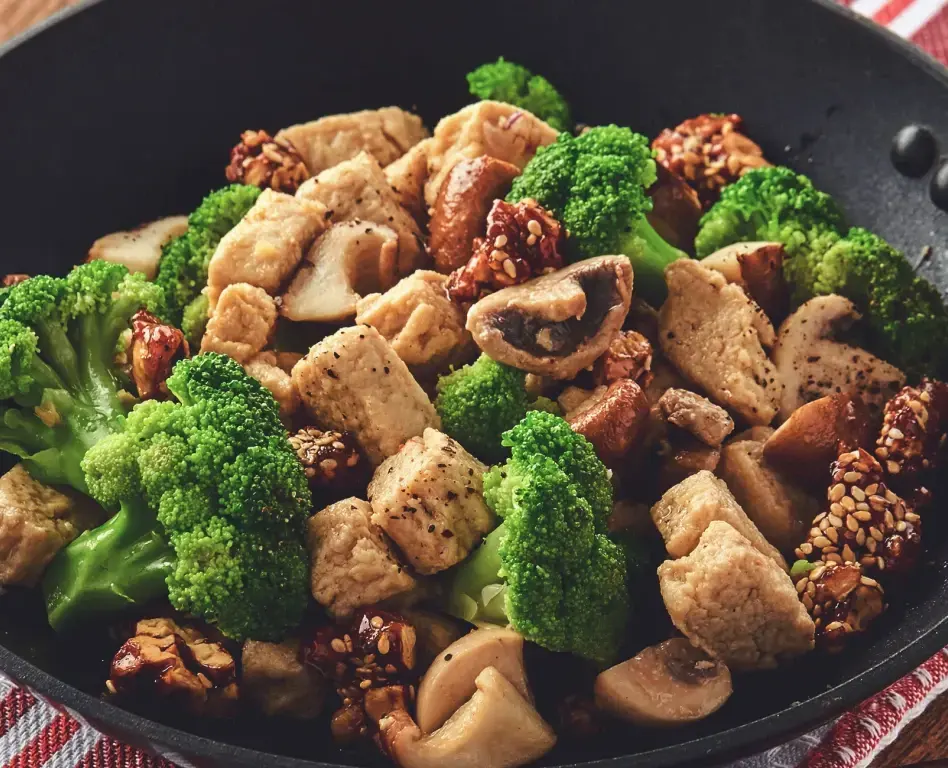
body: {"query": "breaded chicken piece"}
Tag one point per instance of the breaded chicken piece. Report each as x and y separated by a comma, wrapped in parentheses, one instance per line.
(715, 336)
(267, 245)
(358, 189)
(428, 499)
(242, 322)
(386, 134)
(734, 603)
(265, 368)
(352, 562)
(352, 381)
(407, 176)
(484, 128)
(686, 510)
(36, 521)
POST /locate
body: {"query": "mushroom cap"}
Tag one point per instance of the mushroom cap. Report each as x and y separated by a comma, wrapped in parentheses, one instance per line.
(139, 249)
(671, 683)
(758, 268)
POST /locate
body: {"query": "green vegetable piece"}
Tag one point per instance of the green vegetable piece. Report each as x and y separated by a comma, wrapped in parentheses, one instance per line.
(514, 84)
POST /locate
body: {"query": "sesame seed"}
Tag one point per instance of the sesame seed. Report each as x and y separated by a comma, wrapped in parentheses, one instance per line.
(337, 645)
(889, 519)
(510, 269)
(858, 493)
(848, 554)
(848, 504)
(852, 523)
(912, 517)
(498, 256)
(871, 545)
(868, 561)
(900, 526)
(836, 510)
(880, 563)
(833, 557)
(891, 497)
(876, 533)
(862, 506)
(833, 626)
(852, 477)
(806, 548)
(862, 515)
(822, 542)
(893, 468)
(532, 240)
(861, 537)
(915, 405)
(871, 489)
(832, 534)
(817, 572)
(801, 585)
(384, 645)
(377, 621)
(866, 581)
(365, 685)
(836, 520)
(500, 241)
(533, 226)
(896, 433)
(861, 466)
(807, 602)
(811, 588)
(882, 453)
(837, 492)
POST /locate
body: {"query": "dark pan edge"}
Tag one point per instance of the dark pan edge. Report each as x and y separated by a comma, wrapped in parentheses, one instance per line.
(760, 734)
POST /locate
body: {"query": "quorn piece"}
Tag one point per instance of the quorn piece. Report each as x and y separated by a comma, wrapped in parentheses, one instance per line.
(496, 727)
(779, 509)
(522, 241)
(449, 681)
(139, 249)
(557, 324)
(155, 348)
(810, 364)
(349, 260)
(697, 415)
(758, 268)
(460, 211)
(805, 445)
(672, 683)
(574, 400)
(242, 323)
(686, 511)
(428, 499)
(262, 161)
(353, 563)
(265, 368)
(165, 660)
(407, 176)
(676, 209)
(276, 683)
(331, 460)
(735, 603)
(715, 336)
(352, 381)
(628, 356)
(681, 457)
(616, 423)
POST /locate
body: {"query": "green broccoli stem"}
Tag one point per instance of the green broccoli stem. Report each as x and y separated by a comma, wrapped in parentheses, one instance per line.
(96, 341)
(649, 254)
(477, 590)
(121, 564)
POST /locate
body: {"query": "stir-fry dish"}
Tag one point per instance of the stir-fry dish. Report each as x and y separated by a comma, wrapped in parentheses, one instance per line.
(396, 410)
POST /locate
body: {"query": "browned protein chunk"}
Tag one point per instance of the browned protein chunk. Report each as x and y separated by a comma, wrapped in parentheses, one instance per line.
(262, 161)
(735, 603)
(685, 511)
(265, 369)
(779, 509)
(697, 415)
(708, 151)
(242, 322)
(683, 457)
(352, 561)
(715, 336)
(276, 683)
(425, 328)
(428, 499)
(267, 244)
(36, 521)
(489, 128)
(842, 600)
(357, 189)
(407, 176)
(676, 209)
(167, 661)
(616, 423)
(629, 356)
(352, 381)
(460, 212)
(386, 134)
(155, 348)
(522, 241)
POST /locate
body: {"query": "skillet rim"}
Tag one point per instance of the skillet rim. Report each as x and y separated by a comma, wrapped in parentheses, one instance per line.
(748, 738)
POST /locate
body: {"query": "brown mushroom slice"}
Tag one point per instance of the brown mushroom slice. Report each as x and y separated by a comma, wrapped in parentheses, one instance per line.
(676, 209)
(348, 261)
(810, 364)
(139, 249)
(758, 268)
(449, 681)
(558, 324)
(461, 209)
(815, 434)
(671, 683)
(496, 727)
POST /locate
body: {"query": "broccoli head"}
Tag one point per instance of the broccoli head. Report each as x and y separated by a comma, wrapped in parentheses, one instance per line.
(775, 204)
(514, 84)
(60, 373)
(211, 502)
(597, 185)
(479, 402)
(182, 271)
(549, 569)
(194, 320)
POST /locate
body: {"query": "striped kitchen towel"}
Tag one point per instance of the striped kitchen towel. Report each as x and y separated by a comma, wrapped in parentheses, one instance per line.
(924, 22)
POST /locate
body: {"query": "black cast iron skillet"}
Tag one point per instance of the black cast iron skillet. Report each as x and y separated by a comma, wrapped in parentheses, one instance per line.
(125, 111)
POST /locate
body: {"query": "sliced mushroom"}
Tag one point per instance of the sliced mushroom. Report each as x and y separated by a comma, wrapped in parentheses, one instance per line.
(557, 324)
(815, 434)
(139, 249)
(671, 683)
(496, 727)
(676, 209)
(434, 633)
(757, 268)
(449, 681)
(461, 209)
(348, 261)
(810, 364)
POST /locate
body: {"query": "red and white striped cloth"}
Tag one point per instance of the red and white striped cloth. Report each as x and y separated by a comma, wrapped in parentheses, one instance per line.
(35, 732)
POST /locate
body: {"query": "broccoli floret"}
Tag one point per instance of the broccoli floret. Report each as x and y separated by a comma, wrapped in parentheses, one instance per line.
(212, 502)
(194, 320)
(775, 204)
(905, 314)
(479, 402)
(59, 376)
(549, 569)
(597, 185)
(514, 84)
(182, 271)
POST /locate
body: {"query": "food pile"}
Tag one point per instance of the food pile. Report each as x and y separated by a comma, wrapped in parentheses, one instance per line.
(393, 423)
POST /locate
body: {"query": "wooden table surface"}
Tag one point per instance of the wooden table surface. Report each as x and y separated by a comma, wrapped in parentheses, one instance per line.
(925, 739)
